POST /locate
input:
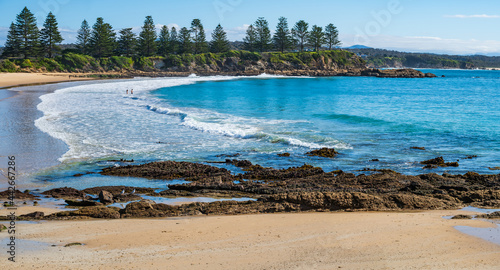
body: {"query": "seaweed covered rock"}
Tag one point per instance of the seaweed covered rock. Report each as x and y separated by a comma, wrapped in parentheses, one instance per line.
(65, 193)
(92, 211)
(438, 162)
(170, 170)
(261, 173)
(323, 152)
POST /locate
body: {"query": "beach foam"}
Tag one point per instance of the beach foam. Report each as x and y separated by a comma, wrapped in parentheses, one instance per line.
(100, 120)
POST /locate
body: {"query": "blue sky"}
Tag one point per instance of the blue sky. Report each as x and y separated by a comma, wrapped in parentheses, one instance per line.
(444, 26)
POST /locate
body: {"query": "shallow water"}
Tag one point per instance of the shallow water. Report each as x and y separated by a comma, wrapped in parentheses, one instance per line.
(199, 118)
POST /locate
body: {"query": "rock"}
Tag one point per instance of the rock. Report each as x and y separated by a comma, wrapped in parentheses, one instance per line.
(65, 193)
(126, 197)
(461, 217)
(117, 190)
(239, 163)
(439, 161)
(18, 195)
(105, 197)
(494, 215)
(323, 152)
(284, 155)
(417, 148)
(36, 214)
(494, 168)
(82, 203)
(91, 211)
(73, 244)
(170, 170)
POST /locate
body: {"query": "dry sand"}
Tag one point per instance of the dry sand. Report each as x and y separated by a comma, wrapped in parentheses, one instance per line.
(360, 240)
(15, 79)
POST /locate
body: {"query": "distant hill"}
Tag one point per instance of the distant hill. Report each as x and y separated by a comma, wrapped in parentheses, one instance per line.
(358, 47)
(380, 58)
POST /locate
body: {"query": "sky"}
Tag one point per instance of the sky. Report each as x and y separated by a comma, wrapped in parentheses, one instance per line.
(436, 26)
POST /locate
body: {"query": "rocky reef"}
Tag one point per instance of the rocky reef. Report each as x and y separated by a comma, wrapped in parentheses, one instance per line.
(295, 189)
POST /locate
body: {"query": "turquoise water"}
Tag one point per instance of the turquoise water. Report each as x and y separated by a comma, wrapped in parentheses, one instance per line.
(201, 118)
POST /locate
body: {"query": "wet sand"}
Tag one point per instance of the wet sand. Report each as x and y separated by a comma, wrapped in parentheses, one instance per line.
(16, 79)
(360, 240)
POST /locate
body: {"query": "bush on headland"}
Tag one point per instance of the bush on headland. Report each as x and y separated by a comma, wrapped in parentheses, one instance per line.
(230, 61)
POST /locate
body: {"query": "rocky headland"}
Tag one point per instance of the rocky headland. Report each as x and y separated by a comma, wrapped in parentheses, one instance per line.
(235, 63)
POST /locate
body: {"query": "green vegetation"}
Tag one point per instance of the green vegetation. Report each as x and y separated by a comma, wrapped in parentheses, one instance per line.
(50, 35)
(147, 38)
(73, 62)
(100, 41)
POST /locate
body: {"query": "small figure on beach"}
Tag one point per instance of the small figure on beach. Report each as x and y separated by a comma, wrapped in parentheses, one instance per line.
(132, 91)
(126, 91)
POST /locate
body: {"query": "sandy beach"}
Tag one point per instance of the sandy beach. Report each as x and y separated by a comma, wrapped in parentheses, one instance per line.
(360, 240)
(16, 79)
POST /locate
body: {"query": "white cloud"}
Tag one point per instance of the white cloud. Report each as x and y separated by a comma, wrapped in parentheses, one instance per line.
(425, 44)
(479, 16)
(237, 33)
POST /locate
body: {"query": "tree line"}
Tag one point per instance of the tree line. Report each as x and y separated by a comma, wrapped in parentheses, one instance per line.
(101, 40)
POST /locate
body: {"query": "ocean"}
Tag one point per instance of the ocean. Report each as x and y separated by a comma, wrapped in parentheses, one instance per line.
(371, 122)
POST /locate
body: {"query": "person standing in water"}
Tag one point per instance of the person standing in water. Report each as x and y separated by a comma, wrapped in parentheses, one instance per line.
(126, 91)
(132, 91)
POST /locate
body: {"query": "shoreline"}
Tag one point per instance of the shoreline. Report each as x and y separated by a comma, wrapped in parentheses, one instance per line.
(9, 80)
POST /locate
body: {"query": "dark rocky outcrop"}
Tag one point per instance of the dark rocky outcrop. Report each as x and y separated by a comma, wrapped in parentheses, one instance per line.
(65, 193)
(92, 211)
(170, 170)
(304, 188)
(18, 195)
(494, 215)
(462, 217)
(105, 197)
(82, 203)
(34, 215)
(323, 152)
(438, 162)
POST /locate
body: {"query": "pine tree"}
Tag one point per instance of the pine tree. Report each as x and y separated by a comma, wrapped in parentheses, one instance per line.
(282, 38)
(264, 40)
(316, 37)
(164, 41)
(199, 38)
(250, 40)
(83, 38)
(127, 42)
(13, 43)
(300, 32)
(147, 38)
(219, 43)
(332, 36)
(102, 40)
(50, 35)
(28, 32)
(185, 42)
(174, 41)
